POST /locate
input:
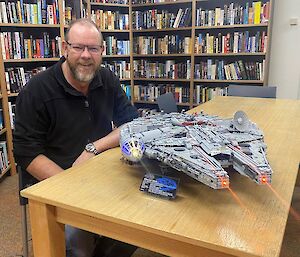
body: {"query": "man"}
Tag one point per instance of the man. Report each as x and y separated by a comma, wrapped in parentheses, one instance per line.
(64, 116)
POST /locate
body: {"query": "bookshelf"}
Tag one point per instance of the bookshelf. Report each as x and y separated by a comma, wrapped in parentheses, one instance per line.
(162, 51)
(229, 45)
(113, 19)
(30, 36)
(193, 48)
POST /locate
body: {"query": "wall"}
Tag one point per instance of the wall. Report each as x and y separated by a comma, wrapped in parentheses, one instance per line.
(285, 49)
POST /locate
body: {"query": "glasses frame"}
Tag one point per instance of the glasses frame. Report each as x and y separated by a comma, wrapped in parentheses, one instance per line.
(92, 49)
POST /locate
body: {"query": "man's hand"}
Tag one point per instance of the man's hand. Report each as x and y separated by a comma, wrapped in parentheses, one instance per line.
(84, 156)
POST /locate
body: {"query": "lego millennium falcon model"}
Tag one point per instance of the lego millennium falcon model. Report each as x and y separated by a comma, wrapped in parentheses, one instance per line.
(199, 145)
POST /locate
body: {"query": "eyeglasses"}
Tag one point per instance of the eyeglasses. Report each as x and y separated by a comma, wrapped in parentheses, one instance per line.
(78, 48)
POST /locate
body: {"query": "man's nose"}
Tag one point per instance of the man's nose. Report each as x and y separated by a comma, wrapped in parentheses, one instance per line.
(86, 52)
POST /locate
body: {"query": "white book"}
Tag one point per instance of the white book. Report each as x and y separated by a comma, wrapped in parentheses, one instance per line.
(178, 18)
(29, 16)
(23, 76)
(210, 17)
(253, 43)
(7, 82)
(50, 14)
(59, 45)
(265, 44)
(4, 14)
(217, 16)
(169, 66)
(1, 14)
(4, 149)
(2, 45)
(213, 71)
(222, 18)
(236, 42)
(10, 15)
(11, 115)
(18, 45)
(188, 69)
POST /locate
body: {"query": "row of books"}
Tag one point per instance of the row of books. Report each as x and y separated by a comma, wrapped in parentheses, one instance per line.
(37, 13)
(151, 91)
(236, 42)
(110, 20)
(17, 77)
(15, 46)
(112, 46)
(238, 70)
(234, 13)
(203, 93)
(120, 68)
(160, 19)
(151, 1)
(4, 163)
(168, 69)
(169, 44)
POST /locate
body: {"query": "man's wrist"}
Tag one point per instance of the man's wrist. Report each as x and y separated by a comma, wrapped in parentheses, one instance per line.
(91, 148)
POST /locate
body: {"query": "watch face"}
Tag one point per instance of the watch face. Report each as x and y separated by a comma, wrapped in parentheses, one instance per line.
(90, 148)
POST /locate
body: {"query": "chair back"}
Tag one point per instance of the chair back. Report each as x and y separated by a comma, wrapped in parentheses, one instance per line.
(252, 91)
(25, 180)
(167, 103)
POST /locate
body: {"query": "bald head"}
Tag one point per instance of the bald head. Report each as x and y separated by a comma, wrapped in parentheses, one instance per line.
(83, 24)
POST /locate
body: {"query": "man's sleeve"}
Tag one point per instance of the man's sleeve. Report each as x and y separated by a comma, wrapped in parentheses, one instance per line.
(124, 111)
(31, 125)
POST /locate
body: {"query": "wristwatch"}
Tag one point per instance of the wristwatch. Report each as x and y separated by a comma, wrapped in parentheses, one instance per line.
(90, 147)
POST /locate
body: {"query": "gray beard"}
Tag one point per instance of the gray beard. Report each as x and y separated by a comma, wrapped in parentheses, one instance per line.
(82, 77)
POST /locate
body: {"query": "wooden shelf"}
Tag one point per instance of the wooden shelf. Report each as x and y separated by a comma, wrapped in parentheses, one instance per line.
(127, 79)
(162, 3)
(12, 94)
(32, 60)
(235, 26)
(110, 5)
(230, 54)
(160, 55)
(228, 81)
(116, 56)
(115, 31)
(26, 25)
(158, 30)
(162, 79)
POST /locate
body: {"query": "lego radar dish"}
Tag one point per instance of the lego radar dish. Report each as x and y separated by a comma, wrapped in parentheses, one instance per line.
(199, 145)
(241, 121)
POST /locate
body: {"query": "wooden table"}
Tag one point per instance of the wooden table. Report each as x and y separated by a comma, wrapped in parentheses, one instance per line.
(103, 196)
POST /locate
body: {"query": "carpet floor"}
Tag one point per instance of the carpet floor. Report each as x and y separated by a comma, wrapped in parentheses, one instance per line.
(10, 225)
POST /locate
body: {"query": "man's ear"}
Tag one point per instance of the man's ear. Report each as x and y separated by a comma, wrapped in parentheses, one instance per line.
(64, 48)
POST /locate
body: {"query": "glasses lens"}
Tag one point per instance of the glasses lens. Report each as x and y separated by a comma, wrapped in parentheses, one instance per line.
(78, 48)
(94, 49)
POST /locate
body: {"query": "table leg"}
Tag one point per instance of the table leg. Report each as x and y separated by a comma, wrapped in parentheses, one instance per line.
(48, 236)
